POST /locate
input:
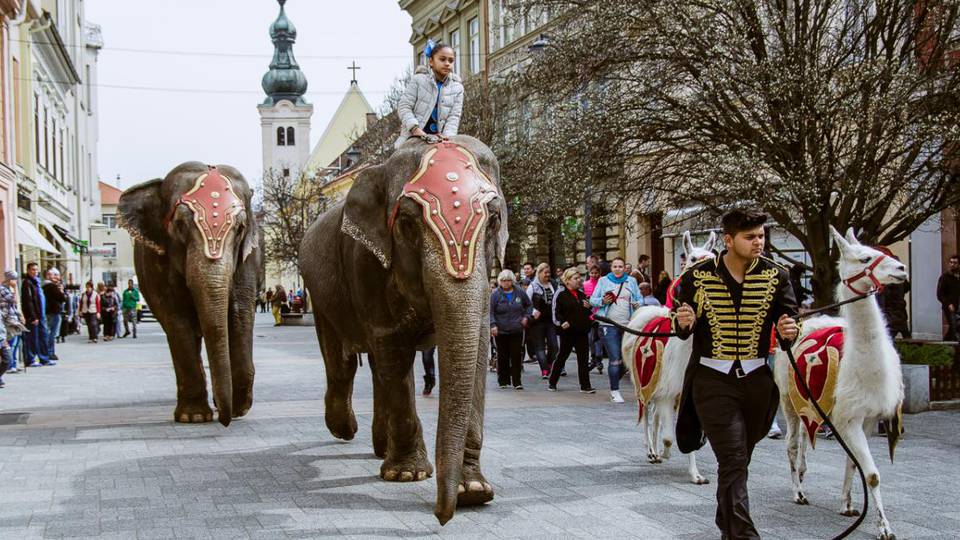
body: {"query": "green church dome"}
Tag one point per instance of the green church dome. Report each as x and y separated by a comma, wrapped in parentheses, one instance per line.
(284, 80)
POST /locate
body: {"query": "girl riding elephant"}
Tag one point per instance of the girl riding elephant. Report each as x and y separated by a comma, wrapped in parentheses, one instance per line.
(433, 100)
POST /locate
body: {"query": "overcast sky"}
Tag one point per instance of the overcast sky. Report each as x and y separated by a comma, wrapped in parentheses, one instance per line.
(221, 49)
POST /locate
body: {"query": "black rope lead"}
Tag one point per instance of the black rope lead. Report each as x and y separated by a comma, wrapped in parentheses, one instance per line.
(629, 330)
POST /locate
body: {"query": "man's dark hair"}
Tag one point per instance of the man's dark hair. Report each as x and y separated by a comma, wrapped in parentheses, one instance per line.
(530, 264)
(957, 257)
(615, 259)
(32, 265)
(742, 219)
(644, 258)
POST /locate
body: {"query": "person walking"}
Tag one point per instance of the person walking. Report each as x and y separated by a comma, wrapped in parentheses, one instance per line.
(131, 299)
(510, 311)
(428, 357)
(596, 344)
(90, 309)
(663, 285)
(542, 332)
(948, 293)
(109, 309)
(13, 320)
(893, 305)
(31, 301)
(728, 391)
(616, 295)
(573, 315)
(279, 297)
(54, 300)
(433, 99)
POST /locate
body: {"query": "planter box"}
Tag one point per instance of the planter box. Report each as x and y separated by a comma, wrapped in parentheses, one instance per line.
(916, 388)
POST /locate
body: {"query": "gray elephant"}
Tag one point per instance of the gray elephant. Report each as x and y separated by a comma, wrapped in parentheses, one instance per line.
(399, 265)
(196, 256)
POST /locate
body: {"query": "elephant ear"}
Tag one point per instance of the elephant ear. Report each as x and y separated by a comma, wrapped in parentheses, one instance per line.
(251, 235)
(142, 212)
(365, 214)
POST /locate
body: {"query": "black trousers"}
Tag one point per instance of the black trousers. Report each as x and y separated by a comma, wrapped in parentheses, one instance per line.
(732, 411)
(509, 358)
(579, 342)
(951, 319)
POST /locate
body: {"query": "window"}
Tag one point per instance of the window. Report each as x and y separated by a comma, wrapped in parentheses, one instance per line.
(422, 58)
(46, 138)
(53, 144)
(89, 96)
(36, 125)
(110, 220)
(281, 137)
(455, 44)
(62, 163)
(474, 45)
(109, 278)
(291, 140)
(16, 110)
(112, 246)
(286, 173)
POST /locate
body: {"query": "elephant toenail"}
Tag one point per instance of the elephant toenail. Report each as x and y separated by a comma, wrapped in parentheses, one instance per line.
(475, 486)
(183, 418)
(390, 475)
(461, 489)
(197, 417)
(406, 476)
(421, 475)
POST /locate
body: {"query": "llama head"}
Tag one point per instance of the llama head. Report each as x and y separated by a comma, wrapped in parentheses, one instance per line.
(863, 268)
(695, 253)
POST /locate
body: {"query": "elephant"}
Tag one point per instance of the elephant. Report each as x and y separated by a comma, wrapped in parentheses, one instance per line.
(399, 265)
(197, 260)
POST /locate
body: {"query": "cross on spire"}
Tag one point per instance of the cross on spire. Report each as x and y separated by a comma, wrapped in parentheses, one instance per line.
(354, 68)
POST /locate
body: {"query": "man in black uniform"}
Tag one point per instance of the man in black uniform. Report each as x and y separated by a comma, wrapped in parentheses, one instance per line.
(729, 304)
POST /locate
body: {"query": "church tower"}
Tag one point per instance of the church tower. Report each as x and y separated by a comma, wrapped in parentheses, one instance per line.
(284, 114)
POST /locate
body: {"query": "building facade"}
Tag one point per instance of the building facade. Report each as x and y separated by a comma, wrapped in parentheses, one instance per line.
(49, 61)
(111, 256)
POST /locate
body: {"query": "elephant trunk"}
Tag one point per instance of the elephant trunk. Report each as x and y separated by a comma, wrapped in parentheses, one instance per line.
(210, 283)
(460, 306)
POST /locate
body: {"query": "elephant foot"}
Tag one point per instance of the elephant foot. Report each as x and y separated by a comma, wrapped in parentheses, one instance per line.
(473, 489)
(412, 469)
(340, 420)
(242, 404)
(193, 413)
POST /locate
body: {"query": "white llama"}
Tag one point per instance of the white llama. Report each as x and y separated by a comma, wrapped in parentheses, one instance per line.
(865, 387)
(662, 395)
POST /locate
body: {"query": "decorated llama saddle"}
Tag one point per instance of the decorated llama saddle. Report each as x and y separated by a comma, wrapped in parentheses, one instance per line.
(648, 359)
(454, 192)
(818, 357)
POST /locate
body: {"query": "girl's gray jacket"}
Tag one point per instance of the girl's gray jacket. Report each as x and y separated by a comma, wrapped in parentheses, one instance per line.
(419, 99)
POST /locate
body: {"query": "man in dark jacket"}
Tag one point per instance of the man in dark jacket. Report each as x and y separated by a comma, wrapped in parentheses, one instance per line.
(54, 299)
(729, 304)
(948, 293)
(31, 303)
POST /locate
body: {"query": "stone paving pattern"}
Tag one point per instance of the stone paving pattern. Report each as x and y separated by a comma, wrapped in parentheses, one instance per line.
(89, 449)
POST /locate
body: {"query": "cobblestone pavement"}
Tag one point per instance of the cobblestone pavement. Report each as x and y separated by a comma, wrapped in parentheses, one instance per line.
(89, 449)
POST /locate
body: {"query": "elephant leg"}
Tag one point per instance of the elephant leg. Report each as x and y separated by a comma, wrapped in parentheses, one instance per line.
(474, 488)
(341, 369)
(381, 413)
(406, 458)
(242, 313)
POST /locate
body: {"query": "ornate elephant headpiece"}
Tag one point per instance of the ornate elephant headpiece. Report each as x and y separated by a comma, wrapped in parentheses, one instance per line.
(453, 192)
(215, 207)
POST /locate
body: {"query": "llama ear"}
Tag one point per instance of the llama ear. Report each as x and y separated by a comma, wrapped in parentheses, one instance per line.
(687, 243)
(839, 239)
(711, 242)
(852, 238)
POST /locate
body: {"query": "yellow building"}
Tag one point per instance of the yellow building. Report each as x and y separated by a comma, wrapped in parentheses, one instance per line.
(348, 123)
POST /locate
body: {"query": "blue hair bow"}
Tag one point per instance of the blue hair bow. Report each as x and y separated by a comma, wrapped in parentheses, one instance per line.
(429, 50)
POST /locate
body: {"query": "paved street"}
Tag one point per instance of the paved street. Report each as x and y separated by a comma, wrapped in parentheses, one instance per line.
(88, 449)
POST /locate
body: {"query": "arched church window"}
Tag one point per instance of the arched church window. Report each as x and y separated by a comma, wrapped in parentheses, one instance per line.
(281, 139)
(291, 140)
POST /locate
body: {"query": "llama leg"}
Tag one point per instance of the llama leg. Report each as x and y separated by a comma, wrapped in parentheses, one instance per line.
(648, 430)
(655, 429)
(846, 506)
(694, 472)
(668, 427)
(795, 442)
(855, 435)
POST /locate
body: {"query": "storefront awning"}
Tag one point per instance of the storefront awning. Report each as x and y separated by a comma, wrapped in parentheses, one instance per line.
(58, 238)
(28, 235)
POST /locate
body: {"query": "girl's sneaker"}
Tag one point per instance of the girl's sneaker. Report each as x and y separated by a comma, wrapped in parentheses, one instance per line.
(615, 396)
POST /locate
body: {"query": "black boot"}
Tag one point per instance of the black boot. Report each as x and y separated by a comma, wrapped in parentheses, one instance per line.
(428, 384)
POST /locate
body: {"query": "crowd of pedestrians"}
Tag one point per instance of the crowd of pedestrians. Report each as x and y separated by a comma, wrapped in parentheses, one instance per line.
(547, 315)
(37, 314)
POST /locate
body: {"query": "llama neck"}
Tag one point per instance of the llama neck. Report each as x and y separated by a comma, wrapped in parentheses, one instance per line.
(865, 323)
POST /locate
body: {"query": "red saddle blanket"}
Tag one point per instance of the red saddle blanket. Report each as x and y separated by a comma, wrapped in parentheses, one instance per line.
(818, 357)
(648, 359)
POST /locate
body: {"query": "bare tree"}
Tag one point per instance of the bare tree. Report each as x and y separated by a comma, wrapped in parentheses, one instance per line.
(823, 112)
(290, 204)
